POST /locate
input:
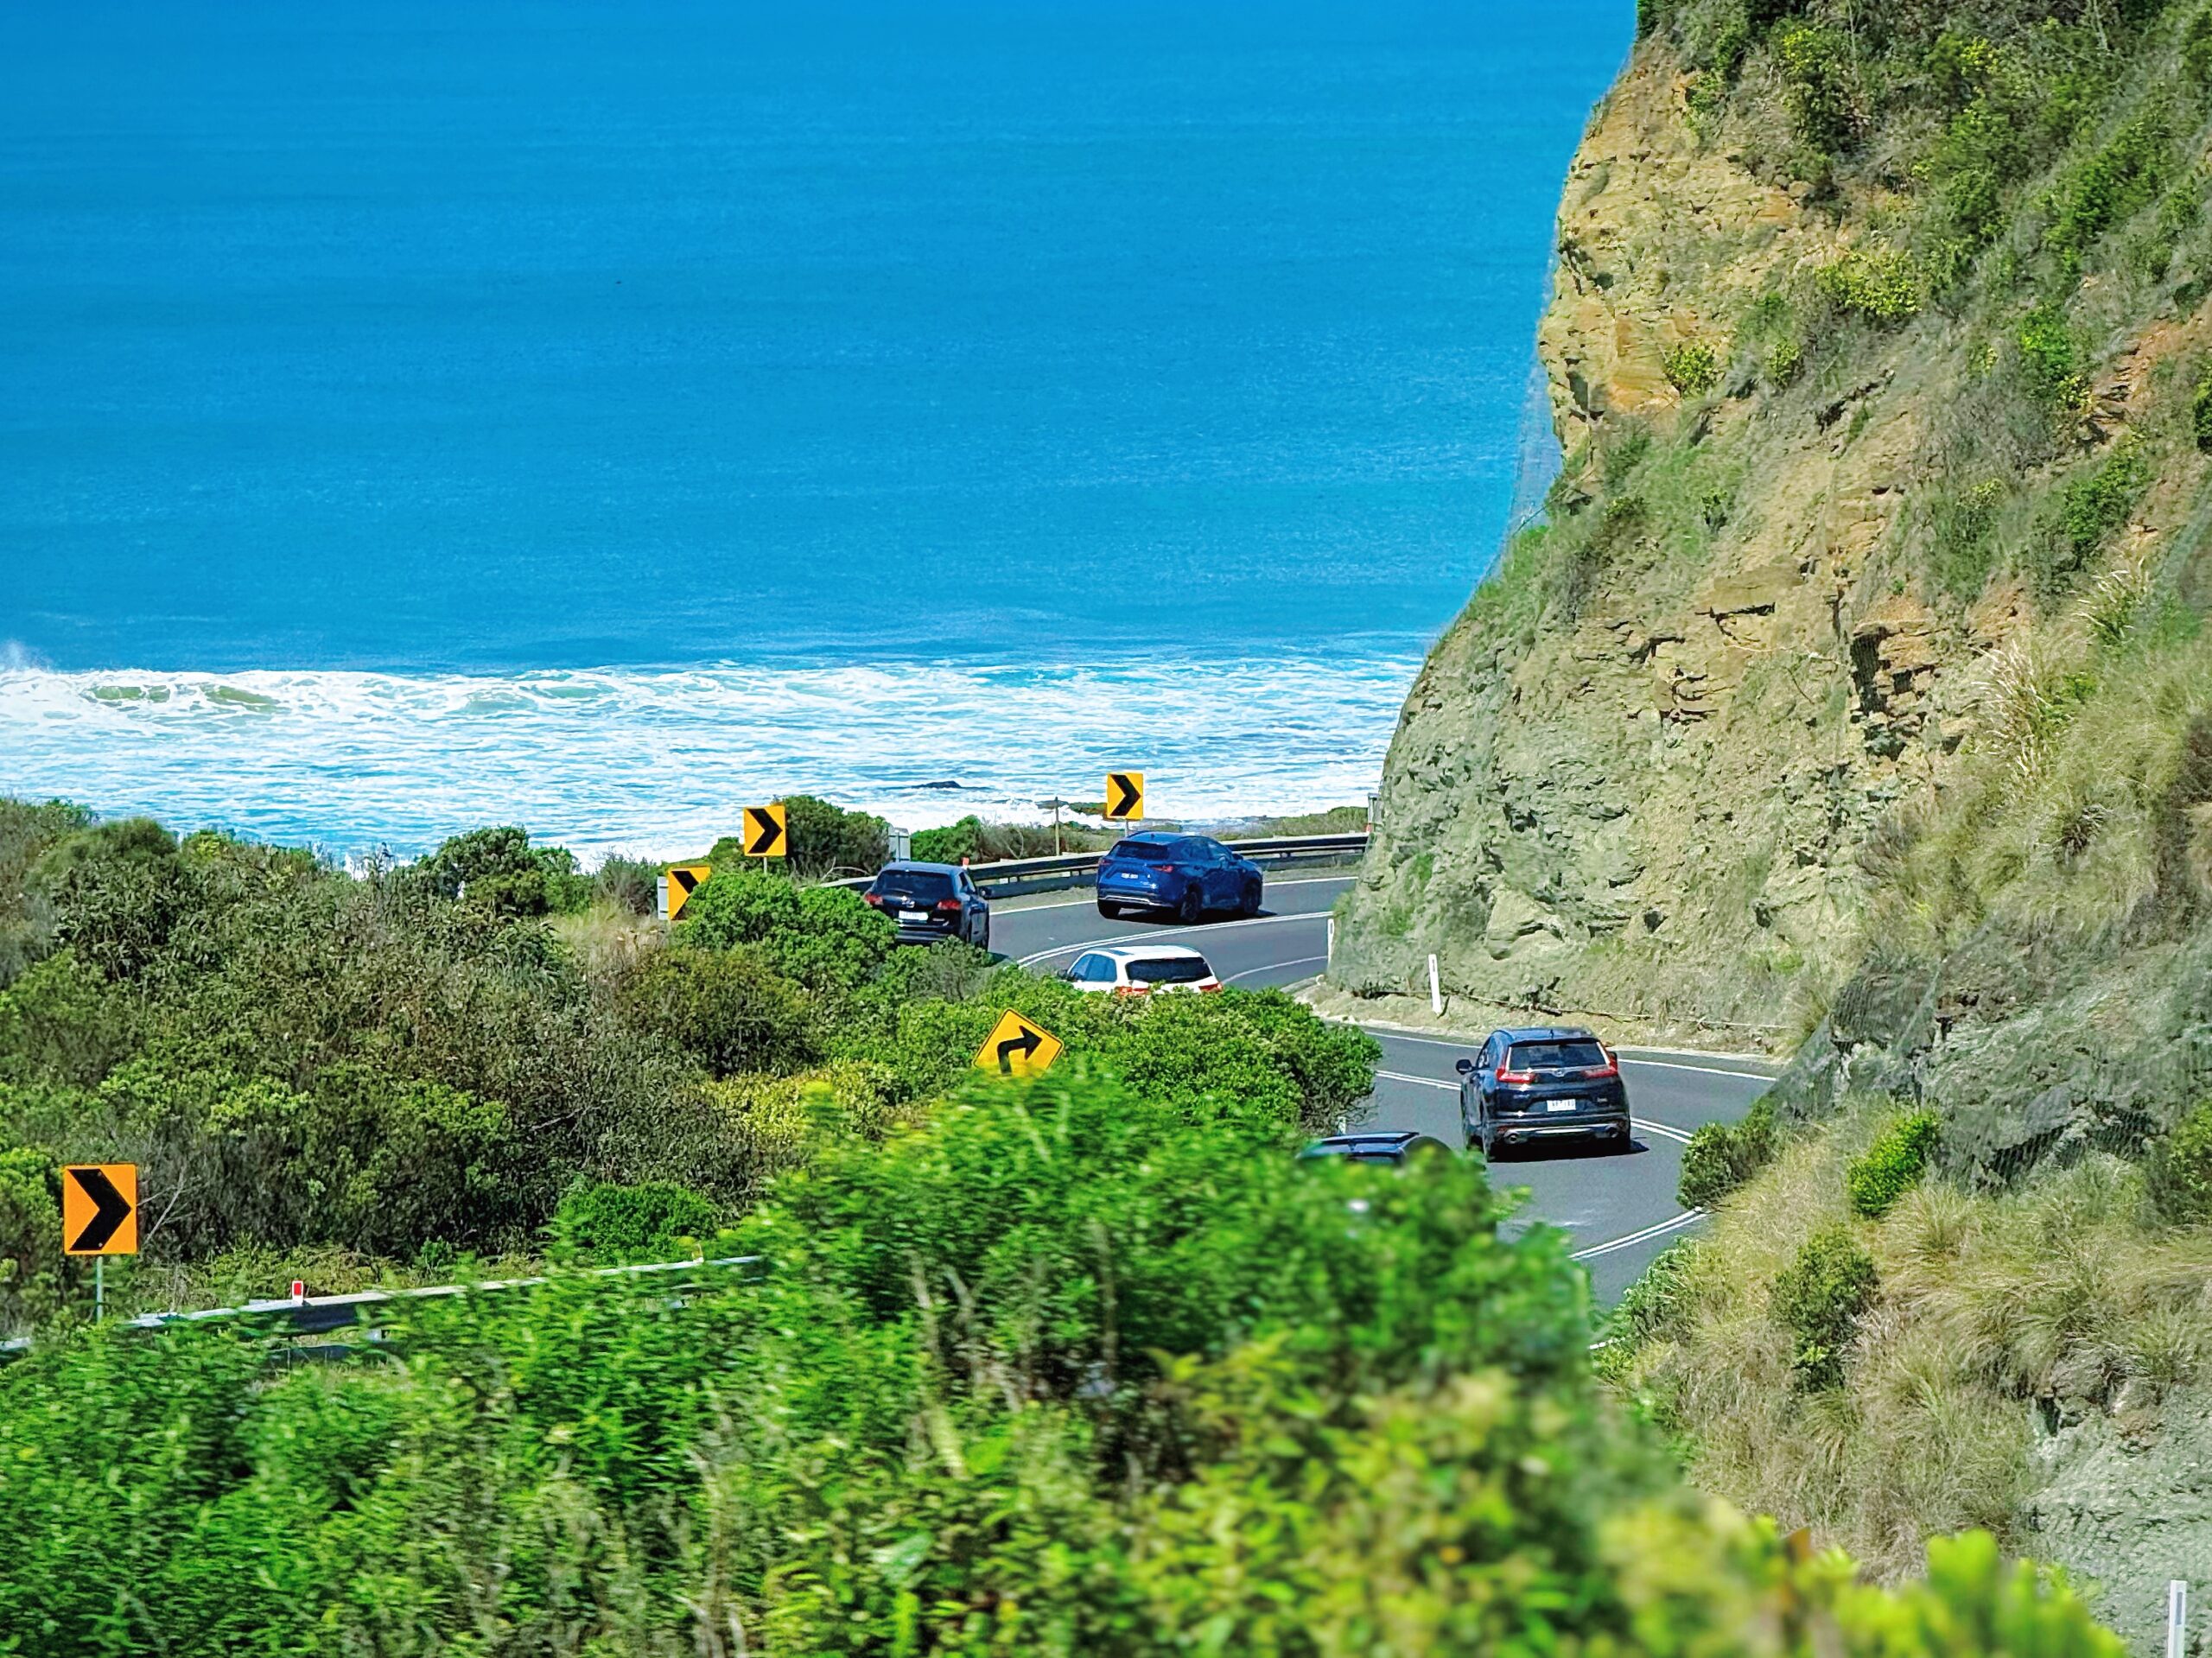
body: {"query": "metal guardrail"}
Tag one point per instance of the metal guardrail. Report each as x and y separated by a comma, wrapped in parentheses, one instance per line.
(317, 1315)
(1013, 877)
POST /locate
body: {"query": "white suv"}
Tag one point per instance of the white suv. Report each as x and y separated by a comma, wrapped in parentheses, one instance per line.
(1140, 970)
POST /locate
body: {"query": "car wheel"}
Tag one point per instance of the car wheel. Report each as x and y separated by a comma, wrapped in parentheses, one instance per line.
(1111, 912)
(1193, 905)
(983, 935)
(1248, 903)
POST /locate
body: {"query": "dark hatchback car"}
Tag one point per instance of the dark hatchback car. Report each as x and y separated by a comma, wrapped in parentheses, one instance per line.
(931, 901)
(1393, 1146)
(1187, 874)
(1544, 1083)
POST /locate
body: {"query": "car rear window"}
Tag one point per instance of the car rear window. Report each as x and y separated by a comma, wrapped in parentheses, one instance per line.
(1138, 850)
(1169, 969)
(1556, 1056)
(913, 883)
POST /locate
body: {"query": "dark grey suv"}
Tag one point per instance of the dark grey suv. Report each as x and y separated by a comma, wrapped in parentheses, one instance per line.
(931, 901)
(1547, 1083)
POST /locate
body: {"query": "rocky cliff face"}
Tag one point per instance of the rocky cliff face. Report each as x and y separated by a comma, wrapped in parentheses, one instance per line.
(1833, 498)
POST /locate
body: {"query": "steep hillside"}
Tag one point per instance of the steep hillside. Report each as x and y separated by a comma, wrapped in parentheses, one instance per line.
(1855, 682)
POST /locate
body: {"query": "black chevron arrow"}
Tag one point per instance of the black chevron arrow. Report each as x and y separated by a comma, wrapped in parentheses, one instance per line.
(1024, 1045)
(113, 1211)
(1126, 795)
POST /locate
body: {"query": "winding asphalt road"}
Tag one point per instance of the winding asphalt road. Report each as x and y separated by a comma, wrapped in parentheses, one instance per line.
(1618, 1206)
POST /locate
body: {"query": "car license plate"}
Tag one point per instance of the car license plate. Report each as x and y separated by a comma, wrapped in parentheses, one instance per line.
(915, 917)
(1558, 1105)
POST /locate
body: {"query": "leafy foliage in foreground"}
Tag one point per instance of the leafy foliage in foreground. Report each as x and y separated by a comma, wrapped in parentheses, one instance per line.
(1061, 1372)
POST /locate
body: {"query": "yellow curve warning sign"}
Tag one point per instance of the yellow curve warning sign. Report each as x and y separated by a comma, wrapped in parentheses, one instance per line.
(1016, 1047)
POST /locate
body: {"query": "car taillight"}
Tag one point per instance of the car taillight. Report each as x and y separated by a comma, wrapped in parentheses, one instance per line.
(1505, 1076)
(1131, 989)
(876, 899)
(1211, 985)
(948, 905)
(1164, 869)
(1610, 1068)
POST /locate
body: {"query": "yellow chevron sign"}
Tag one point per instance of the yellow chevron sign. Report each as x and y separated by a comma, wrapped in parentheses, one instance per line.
(767, 832)
(684, 880)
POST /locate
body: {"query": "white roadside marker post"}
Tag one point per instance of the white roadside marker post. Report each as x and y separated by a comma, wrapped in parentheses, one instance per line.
(1435, 990)
(2177, 1619)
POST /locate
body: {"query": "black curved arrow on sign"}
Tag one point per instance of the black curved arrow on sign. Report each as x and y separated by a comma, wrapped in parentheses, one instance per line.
(1024, 1045)
(1126, 795)
(112, 1207)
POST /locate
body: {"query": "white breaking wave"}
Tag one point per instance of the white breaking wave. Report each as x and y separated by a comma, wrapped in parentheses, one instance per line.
(650, 762)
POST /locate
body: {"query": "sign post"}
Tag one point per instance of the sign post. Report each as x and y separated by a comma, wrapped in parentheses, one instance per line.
(100, 1218)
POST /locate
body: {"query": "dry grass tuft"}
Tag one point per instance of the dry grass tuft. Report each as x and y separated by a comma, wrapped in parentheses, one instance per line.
(1989, 1310)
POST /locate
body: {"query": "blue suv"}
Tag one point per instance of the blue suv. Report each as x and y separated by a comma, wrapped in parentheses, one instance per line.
(1186, 874)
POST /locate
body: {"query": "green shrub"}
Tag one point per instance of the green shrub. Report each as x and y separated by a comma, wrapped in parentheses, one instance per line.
(1882, 283)
(2200, 415)
(727, 1009)
(1892, 1165)
(1816, 79)
(498, 872)
(2123, 177)
(2179, 1177)
(2049, 360)
(603, 1223)
(1819, 1299)
(826, 937)
(2093, 506)
(1721, 1156)
(1694, 367)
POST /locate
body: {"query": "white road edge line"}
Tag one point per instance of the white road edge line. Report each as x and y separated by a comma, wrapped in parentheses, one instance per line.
(1302, 960)
(1200, 929)
(1687, 1218)
(1665, 1130)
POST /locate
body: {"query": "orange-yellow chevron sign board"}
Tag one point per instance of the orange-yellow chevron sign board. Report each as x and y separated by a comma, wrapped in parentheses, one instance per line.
(767, 832)
(1124, 795)
(99, 1209)
(684, 880)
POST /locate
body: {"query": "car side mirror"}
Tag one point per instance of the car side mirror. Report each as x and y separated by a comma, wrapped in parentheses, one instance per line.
(1464, 1065)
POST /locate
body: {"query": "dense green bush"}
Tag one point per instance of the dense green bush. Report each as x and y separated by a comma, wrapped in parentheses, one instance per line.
(1721, 1156)
(1893, 1164)
(1819, 1299)
(1882, 284)
(1694, 366)
(498, 872)
(826, 937)
(2179, 1177)
(726, 1009)
(605, 1224)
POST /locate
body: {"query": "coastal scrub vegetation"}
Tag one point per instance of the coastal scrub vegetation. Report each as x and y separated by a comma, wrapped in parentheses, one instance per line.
(361, 1077)
(1088, 1363)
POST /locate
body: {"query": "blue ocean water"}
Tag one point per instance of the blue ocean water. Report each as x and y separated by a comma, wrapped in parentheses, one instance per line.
(415, 414)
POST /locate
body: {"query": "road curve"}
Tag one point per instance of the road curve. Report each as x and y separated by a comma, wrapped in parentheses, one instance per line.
(1618, 1206)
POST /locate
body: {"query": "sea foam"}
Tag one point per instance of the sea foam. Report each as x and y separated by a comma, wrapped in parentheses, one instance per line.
(650, 762)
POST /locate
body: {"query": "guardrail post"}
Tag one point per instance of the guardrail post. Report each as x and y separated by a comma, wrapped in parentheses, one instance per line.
(1435, 990)
(1329, 951)
(2177, 1619)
